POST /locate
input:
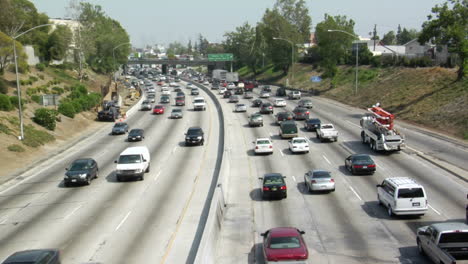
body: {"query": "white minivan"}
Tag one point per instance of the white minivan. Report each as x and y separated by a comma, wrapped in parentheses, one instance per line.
(402, 196)
(133, 162)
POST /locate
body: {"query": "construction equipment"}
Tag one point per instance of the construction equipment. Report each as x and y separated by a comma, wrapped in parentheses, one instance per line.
(377, 130)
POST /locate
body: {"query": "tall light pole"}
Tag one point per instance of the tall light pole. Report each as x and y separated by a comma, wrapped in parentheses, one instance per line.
(113, 55)
(18, 89)
(292, 56)
(357, 54)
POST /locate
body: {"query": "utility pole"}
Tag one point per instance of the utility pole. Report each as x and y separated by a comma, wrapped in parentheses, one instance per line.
(375, 34)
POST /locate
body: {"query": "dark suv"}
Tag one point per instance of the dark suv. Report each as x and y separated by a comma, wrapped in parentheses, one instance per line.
(266, 108)
(81, 171)
(194, 136)
(34, 256)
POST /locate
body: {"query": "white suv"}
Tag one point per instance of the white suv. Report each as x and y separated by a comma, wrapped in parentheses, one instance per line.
(199, 104)
(402, 196)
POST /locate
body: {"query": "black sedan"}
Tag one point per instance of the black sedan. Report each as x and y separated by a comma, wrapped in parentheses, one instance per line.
(257, 103)
(81, 171)
(274, 186)
(34, 256)
(312, 124)
(194, 136)
(227, 94)
(360, 164)
(136, 134)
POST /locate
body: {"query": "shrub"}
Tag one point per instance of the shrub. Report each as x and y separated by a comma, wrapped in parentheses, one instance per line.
(4, 129)
(36, 98)
(57, 90)
(35, 138)
(45, 117)
(16, 148)
(33, 78)
(41, 76)
(40, 67)
(31, 91)
(5, 103)
(14, 101)
(67, 109)
(3, 87)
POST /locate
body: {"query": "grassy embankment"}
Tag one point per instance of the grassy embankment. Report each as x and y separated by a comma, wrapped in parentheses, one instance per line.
(429, 97)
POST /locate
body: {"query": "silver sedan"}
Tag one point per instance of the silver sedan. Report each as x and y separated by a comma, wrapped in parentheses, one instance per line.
(240, 108)
(319, 180)
(176, 113)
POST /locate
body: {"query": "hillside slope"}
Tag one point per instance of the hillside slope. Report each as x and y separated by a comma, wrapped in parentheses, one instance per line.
(429, 97)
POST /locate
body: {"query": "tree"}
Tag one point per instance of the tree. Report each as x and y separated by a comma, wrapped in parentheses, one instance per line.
(189, 47)
(240, 44)
(448, 26)
(296, 13)
(6, 52)
(59, 43)
(389, 38)
(334, 47)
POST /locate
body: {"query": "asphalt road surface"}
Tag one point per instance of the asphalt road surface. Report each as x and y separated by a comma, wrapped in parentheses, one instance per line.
(345, 226)
(150, 221)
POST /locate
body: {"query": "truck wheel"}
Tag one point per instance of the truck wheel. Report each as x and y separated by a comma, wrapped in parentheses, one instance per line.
(317, 135)
(389, 211)
(148, 169)
(420, 248)
(363, 137)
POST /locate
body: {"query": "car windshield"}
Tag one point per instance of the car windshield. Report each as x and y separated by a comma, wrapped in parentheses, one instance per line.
(176, 110)
(410, 193)
(274, 180)
(134, 132)
(120, 125)
(128, 159)
(263, 141)
(327, 127)
(81, 165)
(158, 107)
(456, 237)
(321, 174)
(299, 141)
(313, 121)
(199, 101)
(285, 242)
(194, 132)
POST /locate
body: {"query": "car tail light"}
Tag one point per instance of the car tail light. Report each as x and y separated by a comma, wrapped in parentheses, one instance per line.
(307, 113)
(283, 187)
(357, 166)
(313, 181)
(332, 180)
(256, 147)
(266, 188)
(371, 166)
(271, 146)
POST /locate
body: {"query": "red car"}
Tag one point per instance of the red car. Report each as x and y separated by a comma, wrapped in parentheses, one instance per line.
(284, 244)
(158, 109)
(248, 86)
(160, 83)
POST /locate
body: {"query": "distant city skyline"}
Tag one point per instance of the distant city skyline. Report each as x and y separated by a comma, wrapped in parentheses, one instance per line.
(150, 22)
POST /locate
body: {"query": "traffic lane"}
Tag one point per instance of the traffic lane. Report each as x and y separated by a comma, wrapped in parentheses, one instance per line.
(237, 233)
(431, 143)
(54, 210)
(155, 219)
(347, 231)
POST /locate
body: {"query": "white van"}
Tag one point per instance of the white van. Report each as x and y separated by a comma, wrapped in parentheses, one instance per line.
(199, 104)
(133, 162)
(402, 196)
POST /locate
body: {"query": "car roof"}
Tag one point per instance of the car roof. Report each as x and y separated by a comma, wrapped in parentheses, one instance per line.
(136, 130)
(283, 231)
(194, 128)
(360, 155)
(272, 174)
(299, 138)
(441, 227)
(262, 139)
(29, 255)
(135, 150)
(120, 123)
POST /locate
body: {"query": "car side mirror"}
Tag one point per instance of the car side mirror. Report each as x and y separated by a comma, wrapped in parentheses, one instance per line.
(378, 185)
(284, 177)
(302, 232)
(66, 169)
(144, 160)
(260, 178)
(423, 233)
(115, 161)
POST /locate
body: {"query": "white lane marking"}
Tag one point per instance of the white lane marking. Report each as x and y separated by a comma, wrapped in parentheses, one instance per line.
(123, 221)
(324, 157)
(282, 154)
(3, 221)
(294, 178)
(351, 188)
(72, 212)
(437, 212)
(157, 175)
(353, 124)
(271, 134)
(174, 149)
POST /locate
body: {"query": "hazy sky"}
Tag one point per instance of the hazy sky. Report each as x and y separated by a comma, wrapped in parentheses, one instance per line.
(162, 22)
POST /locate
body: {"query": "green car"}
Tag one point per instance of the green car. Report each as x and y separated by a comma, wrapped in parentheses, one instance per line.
(288, 129)
(255, 119)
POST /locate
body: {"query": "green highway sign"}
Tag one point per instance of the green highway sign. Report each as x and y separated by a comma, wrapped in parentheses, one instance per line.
(220, 57)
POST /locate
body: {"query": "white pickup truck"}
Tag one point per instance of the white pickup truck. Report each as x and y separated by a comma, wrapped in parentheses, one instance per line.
(444, 242)
(327, 132)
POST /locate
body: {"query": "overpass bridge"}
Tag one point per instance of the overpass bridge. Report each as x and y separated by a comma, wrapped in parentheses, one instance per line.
(218, 64)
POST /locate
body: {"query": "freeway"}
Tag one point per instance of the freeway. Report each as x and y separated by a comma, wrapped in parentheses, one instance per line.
(150, 221)
(347, 226)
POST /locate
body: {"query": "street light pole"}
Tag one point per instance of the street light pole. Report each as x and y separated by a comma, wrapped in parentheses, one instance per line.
(292, 56)
(18, 88)
(113, 55)
(357, 54)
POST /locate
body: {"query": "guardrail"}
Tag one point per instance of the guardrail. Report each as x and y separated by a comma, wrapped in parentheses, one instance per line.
(203, 249)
